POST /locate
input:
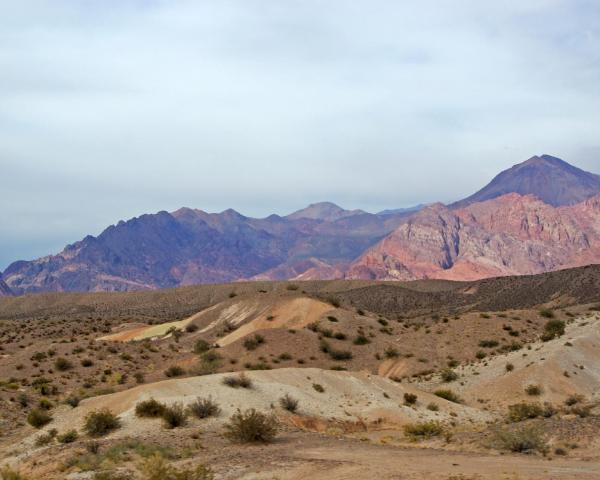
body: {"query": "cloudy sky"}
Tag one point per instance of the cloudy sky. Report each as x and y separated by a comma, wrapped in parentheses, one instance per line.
(110, 109)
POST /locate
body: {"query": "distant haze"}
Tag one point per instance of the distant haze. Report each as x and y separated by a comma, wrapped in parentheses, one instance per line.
(113, 109)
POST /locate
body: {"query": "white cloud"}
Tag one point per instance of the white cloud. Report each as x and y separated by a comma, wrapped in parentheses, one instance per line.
(111, 109)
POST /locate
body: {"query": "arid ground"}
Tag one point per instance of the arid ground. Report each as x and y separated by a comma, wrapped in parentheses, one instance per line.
(491, 379)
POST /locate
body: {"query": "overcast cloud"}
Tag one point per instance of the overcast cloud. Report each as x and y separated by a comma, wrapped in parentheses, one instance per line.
(110, 109)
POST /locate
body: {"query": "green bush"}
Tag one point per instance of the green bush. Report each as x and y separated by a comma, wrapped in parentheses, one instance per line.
(361, 340)
(526, 439)
(253, 343)
(533, 390)
(204, 408)
(546, 313)
(201, 346)
(156, 467)
(240, 380)
(447, 395)
(174, 416)
(149, 408)
(68, 437)
(523, 411)
(423, 430)
(38, 418)
(101, 422)
(62, 364)
(174, 371)
(251, 426)
(553, 329)
(448, 375)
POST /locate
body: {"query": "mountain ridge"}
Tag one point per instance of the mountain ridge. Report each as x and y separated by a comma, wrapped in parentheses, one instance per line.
(324, 241)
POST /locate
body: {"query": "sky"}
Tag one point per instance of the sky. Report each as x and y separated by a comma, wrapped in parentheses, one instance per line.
(116, 108)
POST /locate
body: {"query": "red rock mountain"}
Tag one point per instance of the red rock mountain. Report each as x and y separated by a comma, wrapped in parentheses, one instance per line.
(538, 216)
(509, 235)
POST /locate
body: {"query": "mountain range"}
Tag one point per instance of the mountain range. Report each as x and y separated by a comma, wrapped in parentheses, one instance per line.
(540, 215)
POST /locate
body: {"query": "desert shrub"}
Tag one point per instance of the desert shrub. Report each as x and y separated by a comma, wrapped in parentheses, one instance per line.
(289, 403)
(522, 411)
(62, 364)
(201, 346)
(331, 318)
(340, 354)
(68, 437)
(253, 342)
(526, 439)
(488, 343)
(101, 422)
(553, 329)
(573, 400)
(447, 395)
(410, 398)
(204, 408)
(509, 367)
(533, 390)
(448, 375)
(422, 430)
(582, 411)
(241, 381)
(45, 404)
(251, 426)
(73, 401)
(480, 355)
(339, 336)
(7, 473)
(174, 371)
(191, 327)
(38, 418)
(391, 352)
(149, 408)
(156, 467)
(433, 407)
(292, 287)
(361, 340)
(318, 387)
(174, 416)
(546, 313)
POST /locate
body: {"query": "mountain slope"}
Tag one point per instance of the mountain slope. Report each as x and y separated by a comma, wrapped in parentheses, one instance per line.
(509, 235)
(4, 289)
(191, 246)
(551, 179)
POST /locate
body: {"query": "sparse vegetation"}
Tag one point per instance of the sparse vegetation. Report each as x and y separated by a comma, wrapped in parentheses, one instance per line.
(288, 403)
(533, 390)
(156, 467)
(149, 408)
(174, 371)
(553, 329)
(447, 395)
(410, 398)
(252, 343)
(68, 437)
(448, 375)
(204, 408)
(174, 416)
(423, 430)
(526, 439)
(100, 422)
(38, 418)
(251, 426)
(238, 381)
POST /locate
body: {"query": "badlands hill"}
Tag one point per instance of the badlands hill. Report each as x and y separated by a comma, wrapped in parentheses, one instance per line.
(539, 216)
(359, 376)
